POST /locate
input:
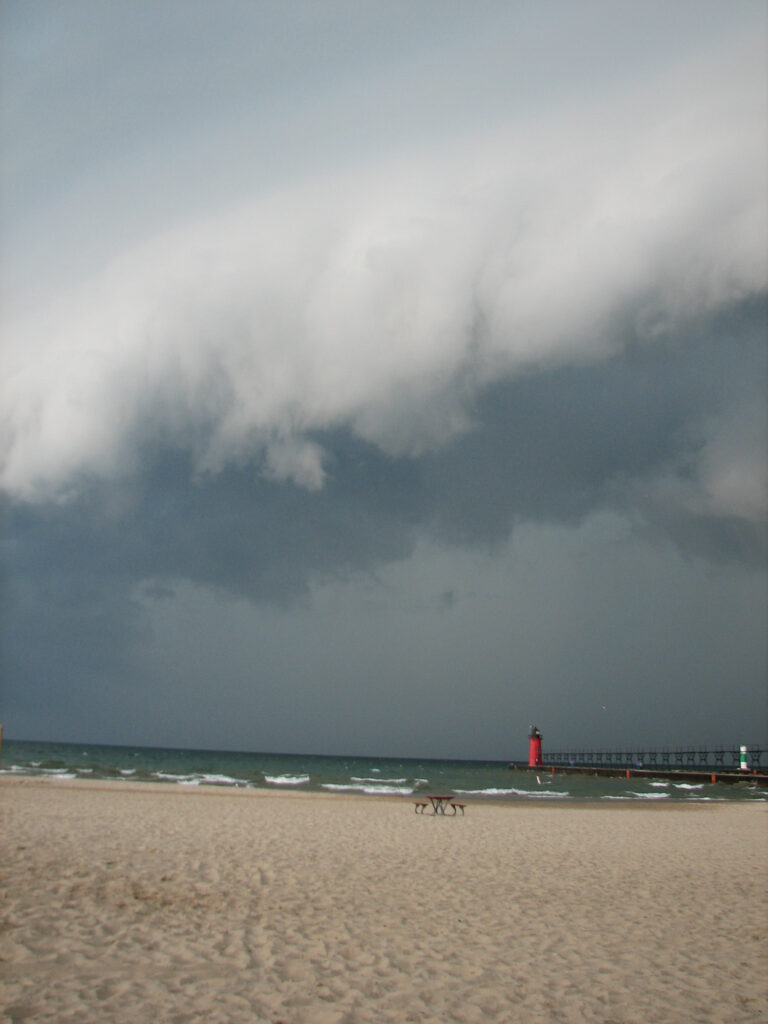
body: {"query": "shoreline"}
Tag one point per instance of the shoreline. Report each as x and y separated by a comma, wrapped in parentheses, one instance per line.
(493, 782)
(273, 792)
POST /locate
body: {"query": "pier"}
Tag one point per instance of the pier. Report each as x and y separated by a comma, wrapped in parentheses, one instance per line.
(685, 764)
(676, 775)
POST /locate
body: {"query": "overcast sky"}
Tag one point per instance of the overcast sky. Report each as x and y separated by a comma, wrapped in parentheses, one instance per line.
(383, 377)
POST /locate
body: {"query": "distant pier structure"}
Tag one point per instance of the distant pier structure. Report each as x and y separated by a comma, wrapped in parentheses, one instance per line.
(726, 763)
(692, 758)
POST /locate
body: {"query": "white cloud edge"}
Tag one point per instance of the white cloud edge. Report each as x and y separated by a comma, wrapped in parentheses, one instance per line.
(362, 299)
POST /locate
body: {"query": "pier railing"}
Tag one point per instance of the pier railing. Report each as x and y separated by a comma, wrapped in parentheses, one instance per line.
(692, 758)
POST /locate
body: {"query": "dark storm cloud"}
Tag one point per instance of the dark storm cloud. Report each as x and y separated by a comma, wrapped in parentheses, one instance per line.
(547, 447)
(553, 447)
(370, 296)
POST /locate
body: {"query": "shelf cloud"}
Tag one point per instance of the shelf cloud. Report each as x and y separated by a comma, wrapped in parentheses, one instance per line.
(326, 310)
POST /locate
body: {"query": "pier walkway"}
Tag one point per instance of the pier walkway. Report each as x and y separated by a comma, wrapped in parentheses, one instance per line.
(693, 758)
(676, 774)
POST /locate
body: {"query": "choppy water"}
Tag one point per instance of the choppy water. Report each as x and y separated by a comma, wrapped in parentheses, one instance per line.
(487, 780)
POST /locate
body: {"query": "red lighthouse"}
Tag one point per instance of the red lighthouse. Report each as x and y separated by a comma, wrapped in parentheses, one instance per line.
(534, 747)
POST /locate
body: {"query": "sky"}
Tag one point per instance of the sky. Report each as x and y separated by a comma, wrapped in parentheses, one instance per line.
(383, 378)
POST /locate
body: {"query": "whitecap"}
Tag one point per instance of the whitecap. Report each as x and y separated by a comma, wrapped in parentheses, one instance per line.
(127, 771)
(536, 794)
(489, 792)
(650, 796)
(200, 780)
(220, 780)
(396, 782)
(286, 780)
(209, 780)
(370, 789)
(689, 785)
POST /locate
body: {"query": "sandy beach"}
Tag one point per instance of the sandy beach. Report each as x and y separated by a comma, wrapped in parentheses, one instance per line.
(133, 903)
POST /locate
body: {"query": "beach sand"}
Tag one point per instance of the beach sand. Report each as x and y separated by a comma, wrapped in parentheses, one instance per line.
(130, 903)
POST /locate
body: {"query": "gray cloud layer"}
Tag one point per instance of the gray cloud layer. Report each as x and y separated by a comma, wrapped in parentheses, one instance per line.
(384, 296)
(325, 309)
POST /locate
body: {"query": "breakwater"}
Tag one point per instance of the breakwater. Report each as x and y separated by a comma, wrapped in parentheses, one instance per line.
(753, 776)
(724, 759)
(728, 764)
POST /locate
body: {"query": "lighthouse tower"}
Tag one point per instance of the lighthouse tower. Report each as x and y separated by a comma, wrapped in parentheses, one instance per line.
(534, 747)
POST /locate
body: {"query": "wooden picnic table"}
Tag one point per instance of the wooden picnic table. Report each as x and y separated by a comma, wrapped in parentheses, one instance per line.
(442, 801)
